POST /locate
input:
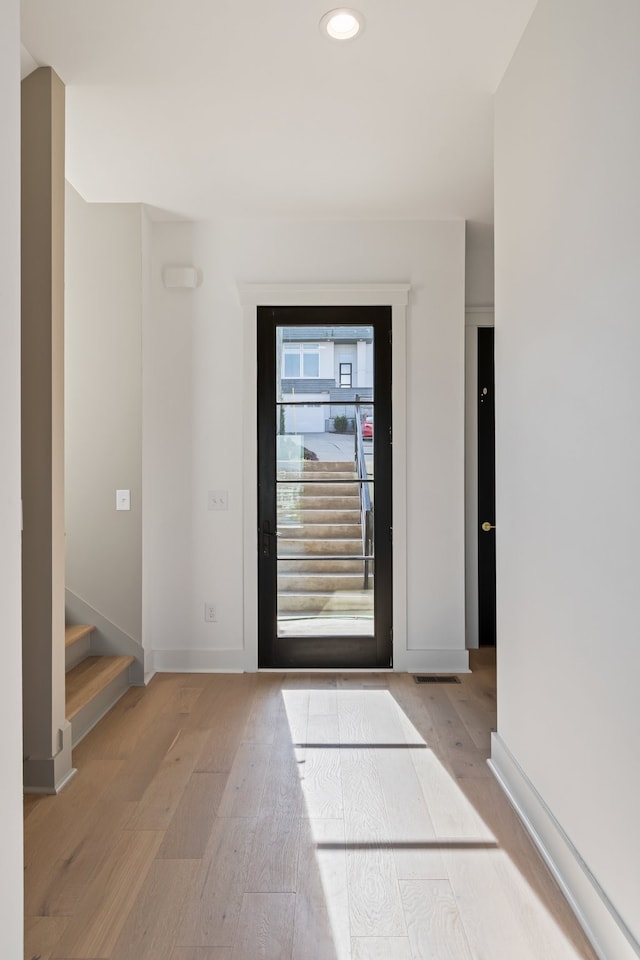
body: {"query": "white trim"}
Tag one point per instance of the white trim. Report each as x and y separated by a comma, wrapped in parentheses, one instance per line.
(399, 482)
(395, 295)
(234, 661)
(324, 294)
(199, 661)
(479, 316)
(603, 925)
(434, 661)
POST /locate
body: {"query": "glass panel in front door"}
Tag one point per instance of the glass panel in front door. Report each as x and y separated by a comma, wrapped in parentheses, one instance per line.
(324, 485)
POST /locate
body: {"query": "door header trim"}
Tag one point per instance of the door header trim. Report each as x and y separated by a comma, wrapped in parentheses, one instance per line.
(395, 295)
(325, 294)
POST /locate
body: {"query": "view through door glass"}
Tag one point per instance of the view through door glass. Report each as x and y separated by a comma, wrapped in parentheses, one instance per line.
(324, 417)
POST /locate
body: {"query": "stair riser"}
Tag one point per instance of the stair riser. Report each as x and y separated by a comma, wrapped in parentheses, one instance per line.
(86, 719)
(307, 583)
(77, 652)
(320, 566)
(292, 546)
(302, 515)
(318, 466)
(322, 531)
(292, 504)
(326, 475)
(328, 489)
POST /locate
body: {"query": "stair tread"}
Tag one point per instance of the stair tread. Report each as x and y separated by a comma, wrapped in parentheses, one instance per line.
(322, 593)
(296, 576)
(319, 539)
(89, 678)
(76, 631)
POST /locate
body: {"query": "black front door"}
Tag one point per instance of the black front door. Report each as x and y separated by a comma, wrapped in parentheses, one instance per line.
(324, 487)
(486, 490)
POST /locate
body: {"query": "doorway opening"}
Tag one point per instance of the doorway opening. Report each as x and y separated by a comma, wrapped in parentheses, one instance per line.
(324, 487)
(486, 490)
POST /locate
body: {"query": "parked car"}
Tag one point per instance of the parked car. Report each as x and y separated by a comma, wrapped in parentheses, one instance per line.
(367, 426)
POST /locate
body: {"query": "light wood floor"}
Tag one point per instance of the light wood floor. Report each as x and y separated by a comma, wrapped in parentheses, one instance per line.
(268, 816)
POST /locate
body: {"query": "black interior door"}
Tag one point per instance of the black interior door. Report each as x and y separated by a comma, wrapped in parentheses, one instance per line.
(486, 489)
(324, 487)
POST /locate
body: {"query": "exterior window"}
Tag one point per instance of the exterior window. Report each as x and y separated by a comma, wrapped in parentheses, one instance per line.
(301, 360)
(346, 374)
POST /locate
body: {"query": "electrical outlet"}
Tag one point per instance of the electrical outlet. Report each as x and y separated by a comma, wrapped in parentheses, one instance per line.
(218, 500)
(210, 613)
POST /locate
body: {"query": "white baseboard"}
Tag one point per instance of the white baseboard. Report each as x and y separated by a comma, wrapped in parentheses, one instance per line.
(237, 661)
(610, 937)
(431, 661)
(199, 661)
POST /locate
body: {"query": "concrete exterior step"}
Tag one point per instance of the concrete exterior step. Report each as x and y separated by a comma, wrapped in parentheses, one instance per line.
(317, 466)
(294, 545)
(324, 476)
(310, 515)
(321, 531)
(319, 500)
(354, 602)
(320, 566)
(348, 488)
(321, 582)
(294, 502)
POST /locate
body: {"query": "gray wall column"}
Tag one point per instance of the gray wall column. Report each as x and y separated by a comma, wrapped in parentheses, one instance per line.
(47, 740)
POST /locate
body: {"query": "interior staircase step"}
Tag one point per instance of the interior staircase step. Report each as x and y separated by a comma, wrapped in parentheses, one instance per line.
(77, 631)
(89, 678)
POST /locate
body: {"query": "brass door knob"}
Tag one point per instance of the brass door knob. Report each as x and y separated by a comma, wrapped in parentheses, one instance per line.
(486, 526)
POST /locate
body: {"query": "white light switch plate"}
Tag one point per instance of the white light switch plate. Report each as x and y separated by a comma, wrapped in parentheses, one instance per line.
(123, 499)
(218, 500)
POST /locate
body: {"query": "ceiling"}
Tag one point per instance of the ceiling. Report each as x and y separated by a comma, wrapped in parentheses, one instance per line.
(241, 108)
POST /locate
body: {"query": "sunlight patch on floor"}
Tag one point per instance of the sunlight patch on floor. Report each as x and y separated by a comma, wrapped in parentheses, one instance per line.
(389, 823)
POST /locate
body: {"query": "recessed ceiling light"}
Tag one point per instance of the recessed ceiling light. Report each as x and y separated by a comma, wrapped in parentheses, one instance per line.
(342, 24)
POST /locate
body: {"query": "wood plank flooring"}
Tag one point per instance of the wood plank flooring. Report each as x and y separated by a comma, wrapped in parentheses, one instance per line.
(291, 817)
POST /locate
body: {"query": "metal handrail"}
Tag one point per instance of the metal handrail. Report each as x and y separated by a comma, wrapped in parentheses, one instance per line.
(366, 509)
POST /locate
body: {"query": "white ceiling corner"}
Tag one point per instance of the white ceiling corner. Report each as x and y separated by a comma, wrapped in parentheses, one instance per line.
(241, 108)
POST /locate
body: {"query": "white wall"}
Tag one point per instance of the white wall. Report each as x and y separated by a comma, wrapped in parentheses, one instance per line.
(103, 407)
(194, 362)
(568, 443)
(479, 264)
(10, 701)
